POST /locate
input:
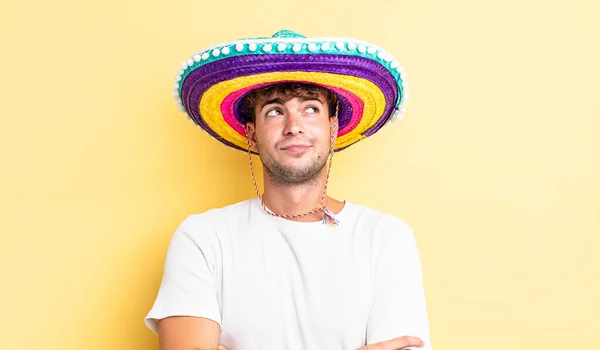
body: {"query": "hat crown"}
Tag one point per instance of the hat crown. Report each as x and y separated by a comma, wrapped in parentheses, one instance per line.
(285, 33)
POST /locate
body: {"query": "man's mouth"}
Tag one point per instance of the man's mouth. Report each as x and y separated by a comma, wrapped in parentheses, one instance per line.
(296, 148)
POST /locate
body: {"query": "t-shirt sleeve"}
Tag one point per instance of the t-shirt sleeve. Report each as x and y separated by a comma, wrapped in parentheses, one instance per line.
(398, 307)
(188, 286)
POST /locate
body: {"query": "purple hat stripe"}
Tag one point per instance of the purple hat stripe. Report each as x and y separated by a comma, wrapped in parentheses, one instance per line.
(210, 79)
(202, 78)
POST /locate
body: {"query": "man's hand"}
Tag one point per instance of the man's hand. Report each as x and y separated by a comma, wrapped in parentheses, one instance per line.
(395, 344)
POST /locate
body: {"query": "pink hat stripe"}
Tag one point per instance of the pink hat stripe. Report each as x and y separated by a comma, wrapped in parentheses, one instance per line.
(227, 107)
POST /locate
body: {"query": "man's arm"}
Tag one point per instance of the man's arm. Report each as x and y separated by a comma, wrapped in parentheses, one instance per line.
(186, 313)
(398, 308)
(188, 333)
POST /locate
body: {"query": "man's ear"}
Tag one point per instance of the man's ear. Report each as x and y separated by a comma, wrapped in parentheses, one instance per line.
(251, 134)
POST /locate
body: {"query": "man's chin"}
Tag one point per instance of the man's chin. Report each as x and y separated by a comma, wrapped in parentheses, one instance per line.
(295, 164)
(294, 171)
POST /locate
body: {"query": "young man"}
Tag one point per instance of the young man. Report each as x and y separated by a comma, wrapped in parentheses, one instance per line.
(292, 268)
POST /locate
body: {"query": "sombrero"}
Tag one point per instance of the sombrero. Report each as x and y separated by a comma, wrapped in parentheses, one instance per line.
(368, 81)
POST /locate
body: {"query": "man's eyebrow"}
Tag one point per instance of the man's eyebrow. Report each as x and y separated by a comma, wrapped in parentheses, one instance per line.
(309, 98)
(276, 100)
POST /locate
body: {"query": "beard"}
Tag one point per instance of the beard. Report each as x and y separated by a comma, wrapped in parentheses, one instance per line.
(288, 175)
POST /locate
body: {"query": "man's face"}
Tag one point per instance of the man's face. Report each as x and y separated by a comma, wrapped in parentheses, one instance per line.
(292, 137)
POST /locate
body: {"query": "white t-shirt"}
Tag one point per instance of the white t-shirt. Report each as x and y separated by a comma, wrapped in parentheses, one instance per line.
(272, 283)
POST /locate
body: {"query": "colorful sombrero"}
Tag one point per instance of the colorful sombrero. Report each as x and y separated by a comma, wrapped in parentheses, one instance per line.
(369, 83)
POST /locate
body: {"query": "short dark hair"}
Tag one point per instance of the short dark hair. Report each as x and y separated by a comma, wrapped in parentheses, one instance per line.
(287, 91)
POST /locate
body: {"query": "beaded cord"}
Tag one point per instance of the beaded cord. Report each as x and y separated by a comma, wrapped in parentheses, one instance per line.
(328, 216)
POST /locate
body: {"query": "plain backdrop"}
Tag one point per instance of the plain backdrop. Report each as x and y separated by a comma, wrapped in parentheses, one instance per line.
(496, 165)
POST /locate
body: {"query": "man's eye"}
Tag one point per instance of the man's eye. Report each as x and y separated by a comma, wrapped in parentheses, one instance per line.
(312, 110)
(273, 113)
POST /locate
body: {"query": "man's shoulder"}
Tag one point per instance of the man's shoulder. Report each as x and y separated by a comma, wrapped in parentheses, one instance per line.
(382, 229)
(219, 215)
(379, 218)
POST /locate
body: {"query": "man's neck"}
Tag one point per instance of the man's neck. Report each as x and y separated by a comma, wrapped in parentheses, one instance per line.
(298, 199)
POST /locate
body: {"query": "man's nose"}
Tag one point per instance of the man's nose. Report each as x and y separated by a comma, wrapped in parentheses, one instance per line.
(293, 124)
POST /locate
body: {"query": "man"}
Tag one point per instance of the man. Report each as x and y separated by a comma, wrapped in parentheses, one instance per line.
(292, 268)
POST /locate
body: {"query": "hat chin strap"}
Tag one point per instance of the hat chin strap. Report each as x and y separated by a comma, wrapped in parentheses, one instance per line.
(328, 216)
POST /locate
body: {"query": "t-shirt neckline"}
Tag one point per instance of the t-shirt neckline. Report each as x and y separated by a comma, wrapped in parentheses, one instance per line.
(341, 216)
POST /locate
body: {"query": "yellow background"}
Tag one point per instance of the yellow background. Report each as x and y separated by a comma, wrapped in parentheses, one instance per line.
(496, 165)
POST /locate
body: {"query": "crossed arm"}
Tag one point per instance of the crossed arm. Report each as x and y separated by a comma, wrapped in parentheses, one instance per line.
(196, 333)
